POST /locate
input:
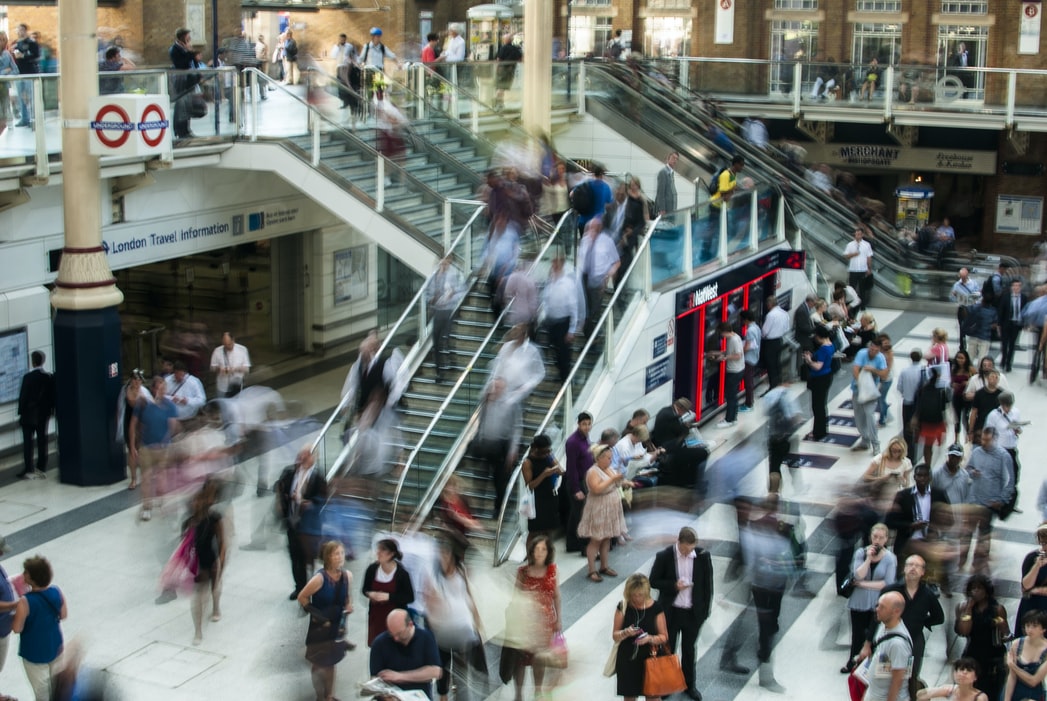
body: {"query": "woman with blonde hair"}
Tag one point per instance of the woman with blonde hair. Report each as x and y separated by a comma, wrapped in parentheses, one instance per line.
(872, 568)
(639, 622)
(888, 472)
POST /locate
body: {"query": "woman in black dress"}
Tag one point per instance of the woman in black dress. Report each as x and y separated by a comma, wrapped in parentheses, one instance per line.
(327, 599)
(1034, 579)
(539, 471)
(639, 622)
(983, 621)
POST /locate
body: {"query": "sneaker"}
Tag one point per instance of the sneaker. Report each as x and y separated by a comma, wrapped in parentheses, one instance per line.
(744, 409)
(27, 475)
(726, 424)
(39, 474)
(146, 514)
(860, 445)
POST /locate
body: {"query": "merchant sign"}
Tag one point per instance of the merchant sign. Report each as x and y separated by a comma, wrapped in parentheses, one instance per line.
(887, 157)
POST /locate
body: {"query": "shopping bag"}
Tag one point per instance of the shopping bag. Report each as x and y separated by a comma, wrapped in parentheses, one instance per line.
(181, 569)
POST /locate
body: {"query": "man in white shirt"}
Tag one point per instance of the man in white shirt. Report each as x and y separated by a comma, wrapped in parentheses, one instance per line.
(373, 376)
(859, 266)
(455, 52)
(599, 261)
(230, 363)
(965, 292)
(1007, 421)
(892, 655)
(775, 325)
(375, 52)
(733, 356)
(563, 300)
(186, 391)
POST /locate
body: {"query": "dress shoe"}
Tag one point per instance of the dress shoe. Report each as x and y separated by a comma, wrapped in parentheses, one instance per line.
(293, 596)
(693, 694)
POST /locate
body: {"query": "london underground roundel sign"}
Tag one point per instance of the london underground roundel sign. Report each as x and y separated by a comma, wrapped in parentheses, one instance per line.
(113, 126)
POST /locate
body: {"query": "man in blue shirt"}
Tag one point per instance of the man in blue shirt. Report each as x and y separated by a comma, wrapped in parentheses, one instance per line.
(870, 360)
(405, 655)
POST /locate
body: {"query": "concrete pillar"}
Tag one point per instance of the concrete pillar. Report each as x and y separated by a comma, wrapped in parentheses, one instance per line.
(86, 326)
(538, 66)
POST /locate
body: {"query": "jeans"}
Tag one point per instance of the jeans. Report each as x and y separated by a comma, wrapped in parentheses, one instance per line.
(768, 607)
(865, 420)
(25, 101)
(881, 406)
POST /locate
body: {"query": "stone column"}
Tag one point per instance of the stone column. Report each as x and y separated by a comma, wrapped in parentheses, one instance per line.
(538, 66)
(86, 325)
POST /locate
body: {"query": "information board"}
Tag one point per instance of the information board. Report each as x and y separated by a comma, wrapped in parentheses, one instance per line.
(14, 362)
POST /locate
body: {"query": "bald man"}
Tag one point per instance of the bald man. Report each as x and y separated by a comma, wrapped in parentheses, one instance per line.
(405, 655)
(301, 492)
(891, 658)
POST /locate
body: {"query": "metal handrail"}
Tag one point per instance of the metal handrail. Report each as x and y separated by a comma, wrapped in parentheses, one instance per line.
(457, 385)
(399, 322)
(566, 385)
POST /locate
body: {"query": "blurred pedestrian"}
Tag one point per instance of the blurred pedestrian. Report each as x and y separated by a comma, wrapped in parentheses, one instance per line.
(783, 417)
(599, 261)
(509, 54)
(536, 618)
(871, 363)
(519, 363)
(445, 291)
(563, 301)
(387, 585)
(372, 377)
(497, 436)
(131, 394)
(327, 598)
(38, 621)
(210, 542)
(602, 516)
(454, 620)
(154, 424)
(300, 495)
(519, 297)
(992, 472)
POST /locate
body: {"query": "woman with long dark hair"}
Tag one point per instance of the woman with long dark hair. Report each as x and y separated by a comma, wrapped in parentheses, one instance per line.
(983, 621)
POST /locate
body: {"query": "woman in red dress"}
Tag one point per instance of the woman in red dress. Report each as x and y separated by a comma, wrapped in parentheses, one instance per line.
(537, 579)
(387, 586)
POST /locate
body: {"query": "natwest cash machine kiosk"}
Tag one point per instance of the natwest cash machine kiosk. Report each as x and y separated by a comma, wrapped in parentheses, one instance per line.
(701, 307)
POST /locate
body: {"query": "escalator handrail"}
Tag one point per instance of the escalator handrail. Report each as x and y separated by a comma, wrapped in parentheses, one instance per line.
(469, 366)
(415, 301)
(891, 254)
(419, 185)
(499, 558)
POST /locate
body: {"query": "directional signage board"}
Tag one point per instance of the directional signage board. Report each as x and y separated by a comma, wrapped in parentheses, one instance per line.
(130, 125)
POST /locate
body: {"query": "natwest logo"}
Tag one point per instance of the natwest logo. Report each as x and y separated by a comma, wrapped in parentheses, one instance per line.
(703, 295)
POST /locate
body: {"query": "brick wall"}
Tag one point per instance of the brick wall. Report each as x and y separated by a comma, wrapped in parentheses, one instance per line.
(1002, 184)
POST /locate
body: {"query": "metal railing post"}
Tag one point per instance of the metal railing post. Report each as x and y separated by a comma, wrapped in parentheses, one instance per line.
(1012, 90)
(722, 244)
(379, 185)
(314, 128)
(581, 86)
(888, 89)
(779, 233)
(684, 77)
(256, 85)
(754, 222)
(162, 89)
(447, 227)
(688, 248)
(797, 87)
(608, 341)
(43, 164)
(419, 81)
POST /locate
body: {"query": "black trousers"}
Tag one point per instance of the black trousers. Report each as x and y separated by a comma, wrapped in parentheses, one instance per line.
(494, 453)
(683, 466)
(39, 431)
(574, 543)
(302, 549)
(556, 330)
(768, 604)
(777, 451)
(772, 360)
(1009, 334)
(682, 623)
(908, 412)
(820, 386)
(441, 338)
(860, 621)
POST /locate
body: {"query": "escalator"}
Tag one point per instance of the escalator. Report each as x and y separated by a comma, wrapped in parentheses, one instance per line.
(678, 119)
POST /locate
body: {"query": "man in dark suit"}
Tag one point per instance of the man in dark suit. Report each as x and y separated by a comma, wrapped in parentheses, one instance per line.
(301, 492)
(36, 405)
(1009, 313)
(683, 576)
(682, 465)
(917, 513)
(803, 326)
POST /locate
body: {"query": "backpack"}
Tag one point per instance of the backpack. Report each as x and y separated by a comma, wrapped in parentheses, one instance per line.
(714, 185)
(930, 404)
(583, 199)
(614, 50)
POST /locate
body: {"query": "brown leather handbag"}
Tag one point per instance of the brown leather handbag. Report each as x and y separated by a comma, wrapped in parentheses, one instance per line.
(663, 674)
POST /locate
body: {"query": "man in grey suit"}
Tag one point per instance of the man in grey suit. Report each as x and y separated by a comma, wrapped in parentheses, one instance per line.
(665, 198)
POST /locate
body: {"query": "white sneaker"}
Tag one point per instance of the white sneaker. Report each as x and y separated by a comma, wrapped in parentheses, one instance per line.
(146, 514)
(726, 424)
(39, 474)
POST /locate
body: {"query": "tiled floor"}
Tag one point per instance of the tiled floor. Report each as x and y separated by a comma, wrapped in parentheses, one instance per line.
(108, 564)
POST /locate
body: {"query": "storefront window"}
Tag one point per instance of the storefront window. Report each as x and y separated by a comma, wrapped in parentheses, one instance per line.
(961, 47)
(790, 42)
(666, 37)
(589, 34)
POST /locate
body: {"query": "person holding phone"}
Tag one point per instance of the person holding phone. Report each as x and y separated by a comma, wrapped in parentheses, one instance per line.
(1034, 579)
(540, 470)
(639, 622)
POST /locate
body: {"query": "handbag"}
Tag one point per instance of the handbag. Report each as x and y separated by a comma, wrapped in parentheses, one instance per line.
(847, 587)
(663, 674)
(556, 654)
(612, 660)
(179, 574)
(197, 106)
(868, 391)
(527, 508)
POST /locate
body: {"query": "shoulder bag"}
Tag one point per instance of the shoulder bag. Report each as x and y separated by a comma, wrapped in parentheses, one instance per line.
(663, 674)
(858, 680)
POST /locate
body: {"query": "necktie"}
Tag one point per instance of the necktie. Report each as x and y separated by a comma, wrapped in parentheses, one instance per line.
(1017, 315)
